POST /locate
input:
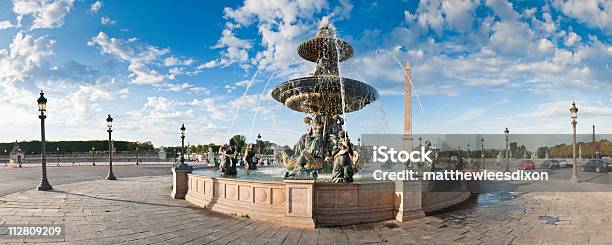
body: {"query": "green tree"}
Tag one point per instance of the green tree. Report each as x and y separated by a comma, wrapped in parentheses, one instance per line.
(240, 142)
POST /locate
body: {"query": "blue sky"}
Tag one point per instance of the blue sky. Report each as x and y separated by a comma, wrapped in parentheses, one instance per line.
(478, 66)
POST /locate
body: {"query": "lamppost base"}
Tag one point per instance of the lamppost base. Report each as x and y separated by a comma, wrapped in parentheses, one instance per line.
(575, 179)
(507, 169)
(44, 186)
(111, 176)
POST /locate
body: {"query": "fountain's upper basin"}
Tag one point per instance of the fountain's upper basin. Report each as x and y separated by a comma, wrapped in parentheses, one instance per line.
(322, 94)
(317, 48)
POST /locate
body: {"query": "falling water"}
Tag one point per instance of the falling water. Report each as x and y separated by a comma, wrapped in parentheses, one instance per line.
(263, 93)
(246, 90)
(384, 51)
(342, 91)
(383, 124)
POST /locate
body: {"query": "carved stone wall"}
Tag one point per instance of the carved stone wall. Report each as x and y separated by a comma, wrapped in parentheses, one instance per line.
(343, 204)
(305, 204)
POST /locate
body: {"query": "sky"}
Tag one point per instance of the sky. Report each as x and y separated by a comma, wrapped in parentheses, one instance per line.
(477, 66)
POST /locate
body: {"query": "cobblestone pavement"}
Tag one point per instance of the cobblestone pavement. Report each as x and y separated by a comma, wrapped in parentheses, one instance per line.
(21, 179)
(139, 211)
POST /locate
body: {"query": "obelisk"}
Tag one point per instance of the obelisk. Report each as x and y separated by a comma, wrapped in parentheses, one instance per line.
(408, 109)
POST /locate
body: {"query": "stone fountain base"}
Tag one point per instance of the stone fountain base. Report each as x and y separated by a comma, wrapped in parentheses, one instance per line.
(306, 204)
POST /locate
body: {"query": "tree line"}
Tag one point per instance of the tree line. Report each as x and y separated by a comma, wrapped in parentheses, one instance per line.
(33, 147)
(604, 147)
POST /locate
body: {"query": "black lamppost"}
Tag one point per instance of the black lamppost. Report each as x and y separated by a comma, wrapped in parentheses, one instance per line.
(574, 111)
(420, 142)
(42, 107)
(182, 165)
(482, 152)
(507, 134)
(137, 156)
(8, 158)
(109, 124)
(20, 157)
(469, 154)
(58, 155)
(93, 156)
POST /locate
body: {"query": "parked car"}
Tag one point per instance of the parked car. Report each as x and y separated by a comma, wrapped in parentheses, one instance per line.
(565, 164)
(526, 165)
(596, 165)
(550, 164)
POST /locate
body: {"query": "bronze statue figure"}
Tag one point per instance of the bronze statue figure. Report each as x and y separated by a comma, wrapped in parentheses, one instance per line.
(228, 158)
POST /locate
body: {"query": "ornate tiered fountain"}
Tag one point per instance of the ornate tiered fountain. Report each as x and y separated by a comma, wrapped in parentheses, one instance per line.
(298, 200)
(326, 97)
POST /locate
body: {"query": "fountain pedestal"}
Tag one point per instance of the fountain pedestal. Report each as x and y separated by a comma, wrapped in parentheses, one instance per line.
(409, 200)
(300, 201)
(180, 183)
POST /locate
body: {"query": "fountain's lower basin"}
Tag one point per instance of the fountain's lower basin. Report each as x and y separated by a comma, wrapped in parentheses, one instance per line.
(306, 204)
(273, 174)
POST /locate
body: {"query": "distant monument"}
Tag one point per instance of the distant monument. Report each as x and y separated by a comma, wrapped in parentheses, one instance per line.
(162, 153)
(17, 155)
(407, 108)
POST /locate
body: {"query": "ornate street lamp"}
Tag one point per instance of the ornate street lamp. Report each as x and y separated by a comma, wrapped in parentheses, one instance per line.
(93, 156)
(507, 134)
(8, 159)
(482, 152)
(574, 111)
(42, 107)
(20, 157)
(109, 124)
(137, 156)
(182, 165)
(420, 142)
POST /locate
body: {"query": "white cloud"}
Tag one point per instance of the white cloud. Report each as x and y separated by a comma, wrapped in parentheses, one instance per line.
(24, 54)
(459, 14)
(171, 61)
(342, 11)
(144, 61)
(572, 39)
(594, 13)
(430, 15)
(440, 15)
(46, 13)
(5, 24)
(281, 25)
(142, 74)
(470, 114)
(95, 7)
(106, 21)
(560, 109)
(503, 9)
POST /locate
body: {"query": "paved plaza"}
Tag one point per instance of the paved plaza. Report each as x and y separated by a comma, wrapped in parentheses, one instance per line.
(138, 210)
(27, 178)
